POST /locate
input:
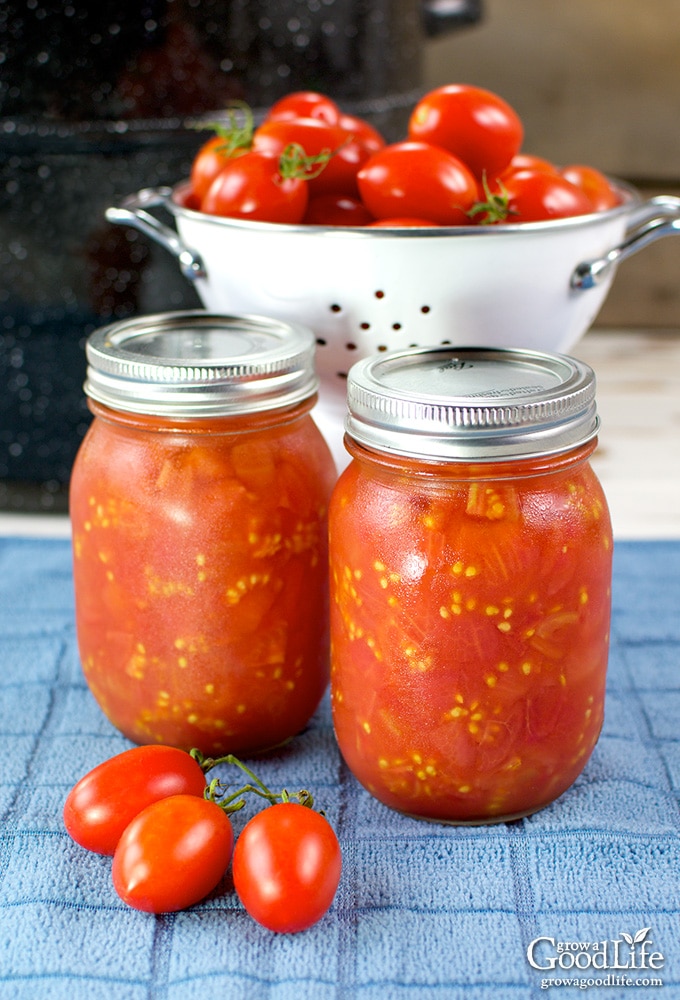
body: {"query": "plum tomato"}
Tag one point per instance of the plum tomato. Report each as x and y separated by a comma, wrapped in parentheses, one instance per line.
(208, 162)
(336, 210)
(528, 161)
(172, 854)
(257, 186)
(287, 865)
(345, 153)
(419, 180)
(304, 104)
(474, 124)
(187, 198)
(534, 196)
(99, 807)
(363, 131)
(530, 196)
(602, 193)
(402, 222)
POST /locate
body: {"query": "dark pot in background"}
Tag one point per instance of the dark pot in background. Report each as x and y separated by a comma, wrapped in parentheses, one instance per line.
(97, 102)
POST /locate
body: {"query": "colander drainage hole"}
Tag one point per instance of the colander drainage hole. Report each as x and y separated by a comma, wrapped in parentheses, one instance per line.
(321, 342)
(424, 309)
(335, 308)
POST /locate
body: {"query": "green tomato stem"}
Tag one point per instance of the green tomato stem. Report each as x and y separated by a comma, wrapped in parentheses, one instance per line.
(495, 207)
(294, 162)
(234, 801)
(237, 135)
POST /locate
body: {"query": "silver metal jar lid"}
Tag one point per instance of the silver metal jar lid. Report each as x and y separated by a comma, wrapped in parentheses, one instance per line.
(470, 403)
(199, 364)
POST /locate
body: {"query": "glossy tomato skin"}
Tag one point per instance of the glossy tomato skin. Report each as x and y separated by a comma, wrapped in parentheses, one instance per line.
(474, 124)
(360, 129)
(251, 186)
(207, 164)
(402, 222)
(200, 569)
(415, 179)
(470, 611)
(305, 104)
(336, 210)
(528, 161)
(596, 185)
(172, 854)
(107, 798)
(287, 866)
(338, 176)
(537, 196)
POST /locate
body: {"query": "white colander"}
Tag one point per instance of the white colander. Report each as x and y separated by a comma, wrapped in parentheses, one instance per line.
(362, 290)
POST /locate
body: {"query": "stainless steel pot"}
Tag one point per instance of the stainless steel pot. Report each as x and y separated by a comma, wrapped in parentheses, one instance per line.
(97, 100)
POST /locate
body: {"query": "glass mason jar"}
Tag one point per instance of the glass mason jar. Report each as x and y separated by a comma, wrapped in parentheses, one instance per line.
(470, 556)
(198, 504)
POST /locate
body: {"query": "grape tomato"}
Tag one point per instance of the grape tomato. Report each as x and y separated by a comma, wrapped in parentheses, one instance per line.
(535, 195)
(172, 854)
(474, 124)
(253, 186)
(391, 184)
(336, 210)
(345, 154)
(287, 866)
(304, 104)
(107, 798)
(596, 186)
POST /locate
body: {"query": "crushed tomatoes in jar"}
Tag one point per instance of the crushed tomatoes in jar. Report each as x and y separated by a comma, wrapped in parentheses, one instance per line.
(470, 611)
(200, 567)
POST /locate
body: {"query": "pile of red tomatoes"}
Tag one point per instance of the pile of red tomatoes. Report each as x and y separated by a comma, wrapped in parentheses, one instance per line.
(461, 163)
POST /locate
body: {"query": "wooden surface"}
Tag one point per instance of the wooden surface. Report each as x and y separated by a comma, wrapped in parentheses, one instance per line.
(638, 398)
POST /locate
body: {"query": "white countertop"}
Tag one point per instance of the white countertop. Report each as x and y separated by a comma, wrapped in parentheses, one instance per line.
(638, 459)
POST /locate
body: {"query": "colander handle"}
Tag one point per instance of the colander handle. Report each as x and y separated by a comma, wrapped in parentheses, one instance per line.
(133, 212)
(653, 220)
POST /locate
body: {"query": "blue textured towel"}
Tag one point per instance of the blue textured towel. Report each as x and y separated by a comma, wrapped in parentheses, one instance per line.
(424, 911)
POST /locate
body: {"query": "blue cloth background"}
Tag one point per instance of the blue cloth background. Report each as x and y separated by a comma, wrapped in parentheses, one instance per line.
(423, 912)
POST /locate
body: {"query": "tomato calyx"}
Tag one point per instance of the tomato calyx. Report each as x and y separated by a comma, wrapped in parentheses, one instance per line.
(218, 792)
(496, 206)
(295, 162)
(237, 133)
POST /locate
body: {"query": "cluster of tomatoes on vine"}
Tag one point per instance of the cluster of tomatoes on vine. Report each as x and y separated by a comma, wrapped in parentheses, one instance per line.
(169, 832)
(461, 163)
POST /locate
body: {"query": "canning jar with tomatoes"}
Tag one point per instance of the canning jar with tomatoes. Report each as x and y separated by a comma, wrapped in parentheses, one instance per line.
(470, 558)
(198, 504)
